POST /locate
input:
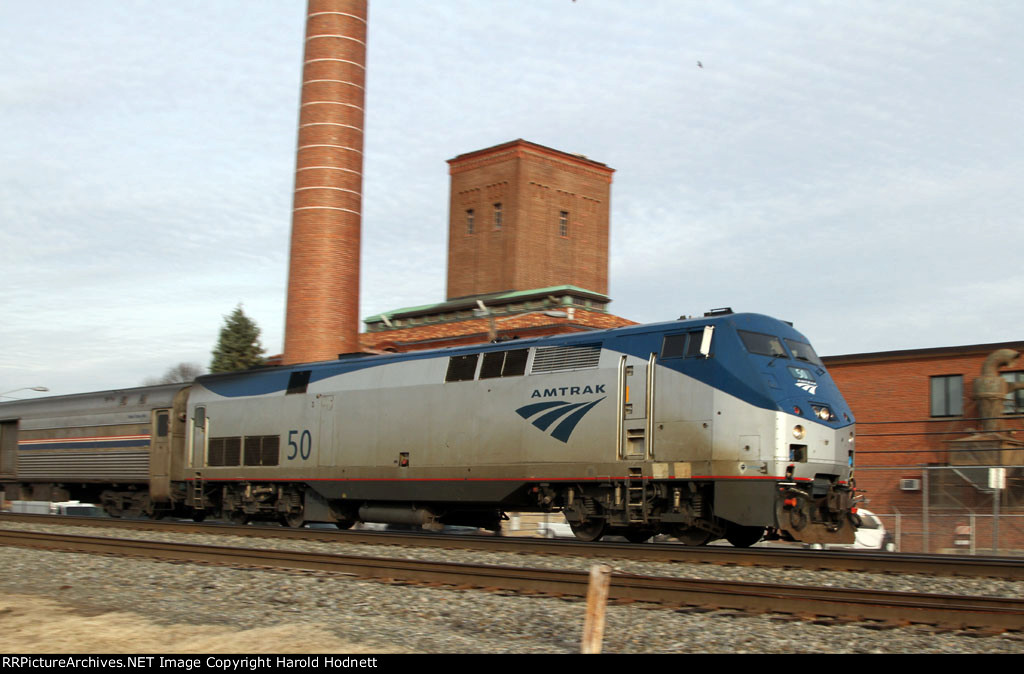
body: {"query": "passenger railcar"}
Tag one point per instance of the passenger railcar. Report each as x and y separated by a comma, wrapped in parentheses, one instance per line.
(725, 426)
(110, 447)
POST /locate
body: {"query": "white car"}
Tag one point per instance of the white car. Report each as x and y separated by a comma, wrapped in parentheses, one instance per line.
(871, 535)
(77, 508)
(556, 530)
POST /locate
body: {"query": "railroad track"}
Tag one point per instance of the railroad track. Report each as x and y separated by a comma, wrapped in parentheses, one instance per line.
(1008, 568)
(985, 614)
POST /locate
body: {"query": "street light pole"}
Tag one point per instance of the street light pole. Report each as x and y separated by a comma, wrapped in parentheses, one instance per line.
(24, 388)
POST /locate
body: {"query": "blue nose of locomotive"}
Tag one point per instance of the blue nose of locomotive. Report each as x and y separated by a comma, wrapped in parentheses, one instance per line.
(792, 375)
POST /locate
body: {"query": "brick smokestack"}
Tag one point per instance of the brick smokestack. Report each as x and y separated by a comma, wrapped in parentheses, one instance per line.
(323, 276)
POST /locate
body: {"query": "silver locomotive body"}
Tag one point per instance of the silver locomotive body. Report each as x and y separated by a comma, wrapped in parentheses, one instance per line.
(674, 428)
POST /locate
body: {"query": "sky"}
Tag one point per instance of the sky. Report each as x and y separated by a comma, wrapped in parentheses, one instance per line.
(852, 167)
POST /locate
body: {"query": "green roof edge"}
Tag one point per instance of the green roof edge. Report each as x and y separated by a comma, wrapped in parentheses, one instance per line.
(471, 300)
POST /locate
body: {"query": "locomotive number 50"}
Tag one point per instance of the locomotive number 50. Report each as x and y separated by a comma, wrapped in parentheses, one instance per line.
(303, 448)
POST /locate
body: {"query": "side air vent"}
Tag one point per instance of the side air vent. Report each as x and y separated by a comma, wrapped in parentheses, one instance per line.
(298, 381)
(462, 368)
(224, 451)
(562, 358)
(262, 450)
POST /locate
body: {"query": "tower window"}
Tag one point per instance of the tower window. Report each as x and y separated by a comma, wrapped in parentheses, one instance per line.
(497, 216)
(469, 221)
(563, 223)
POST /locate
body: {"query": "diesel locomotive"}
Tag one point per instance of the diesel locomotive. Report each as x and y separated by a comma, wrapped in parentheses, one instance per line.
(724, 426)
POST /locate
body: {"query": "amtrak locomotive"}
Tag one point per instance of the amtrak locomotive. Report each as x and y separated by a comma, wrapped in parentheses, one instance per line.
(726, 426)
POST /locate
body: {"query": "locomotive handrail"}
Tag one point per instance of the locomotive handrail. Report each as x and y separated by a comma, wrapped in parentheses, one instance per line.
(649, 434)
(620, 408)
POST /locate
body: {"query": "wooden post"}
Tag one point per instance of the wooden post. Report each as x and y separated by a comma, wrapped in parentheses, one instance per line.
(597, 600)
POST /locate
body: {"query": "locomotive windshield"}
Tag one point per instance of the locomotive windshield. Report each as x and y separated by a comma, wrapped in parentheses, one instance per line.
(770, 345)
(765, 345)
(803, 351)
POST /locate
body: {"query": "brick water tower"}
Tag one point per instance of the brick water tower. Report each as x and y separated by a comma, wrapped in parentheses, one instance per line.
(322, 316)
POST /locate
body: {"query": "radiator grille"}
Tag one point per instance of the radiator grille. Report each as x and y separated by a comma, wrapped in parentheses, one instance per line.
(562, 358)
(66, 465)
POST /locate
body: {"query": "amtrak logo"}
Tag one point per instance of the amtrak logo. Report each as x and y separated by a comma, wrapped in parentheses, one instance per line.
(567, 391)
(566, 413)
(808, 386)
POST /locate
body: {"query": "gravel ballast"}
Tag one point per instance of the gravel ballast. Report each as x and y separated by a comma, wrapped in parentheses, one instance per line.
(381, 617)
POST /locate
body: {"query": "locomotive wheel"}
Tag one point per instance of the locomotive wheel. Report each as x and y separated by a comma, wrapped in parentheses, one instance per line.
(590, 530)
(692, 535)
(799, 517)
(293, 520)
(345, 524)
(743, 537)
(198, 515)
(238, 517)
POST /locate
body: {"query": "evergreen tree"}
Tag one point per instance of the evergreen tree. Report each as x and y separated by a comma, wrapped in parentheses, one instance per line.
(239, 345)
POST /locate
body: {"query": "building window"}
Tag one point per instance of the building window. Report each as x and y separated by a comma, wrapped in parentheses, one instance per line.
(497, 216)
(1014, 403)
(947, 396)
(469, 221)
(563, 223)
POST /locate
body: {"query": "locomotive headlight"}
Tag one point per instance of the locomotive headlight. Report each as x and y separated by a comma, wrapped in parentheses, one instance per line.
(798, 432)
(823, 412)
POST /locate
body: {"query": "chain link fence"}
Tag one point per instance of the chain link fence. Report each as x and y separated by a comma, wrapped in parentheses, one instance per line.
(976, 510)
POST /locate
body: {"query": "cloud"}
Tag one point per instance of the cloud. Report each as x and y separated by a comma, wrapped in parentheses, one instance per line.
(854, 168)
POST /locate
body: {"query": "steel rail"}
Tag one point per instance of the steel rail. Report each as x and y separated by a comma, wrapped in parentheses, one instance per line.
(1009, 568)
(947, 611)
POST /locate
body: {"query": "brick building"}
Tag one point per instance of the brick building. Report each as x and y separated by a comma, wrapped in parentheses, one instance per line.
(527, 252)
(925, 444)
(524, 216)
